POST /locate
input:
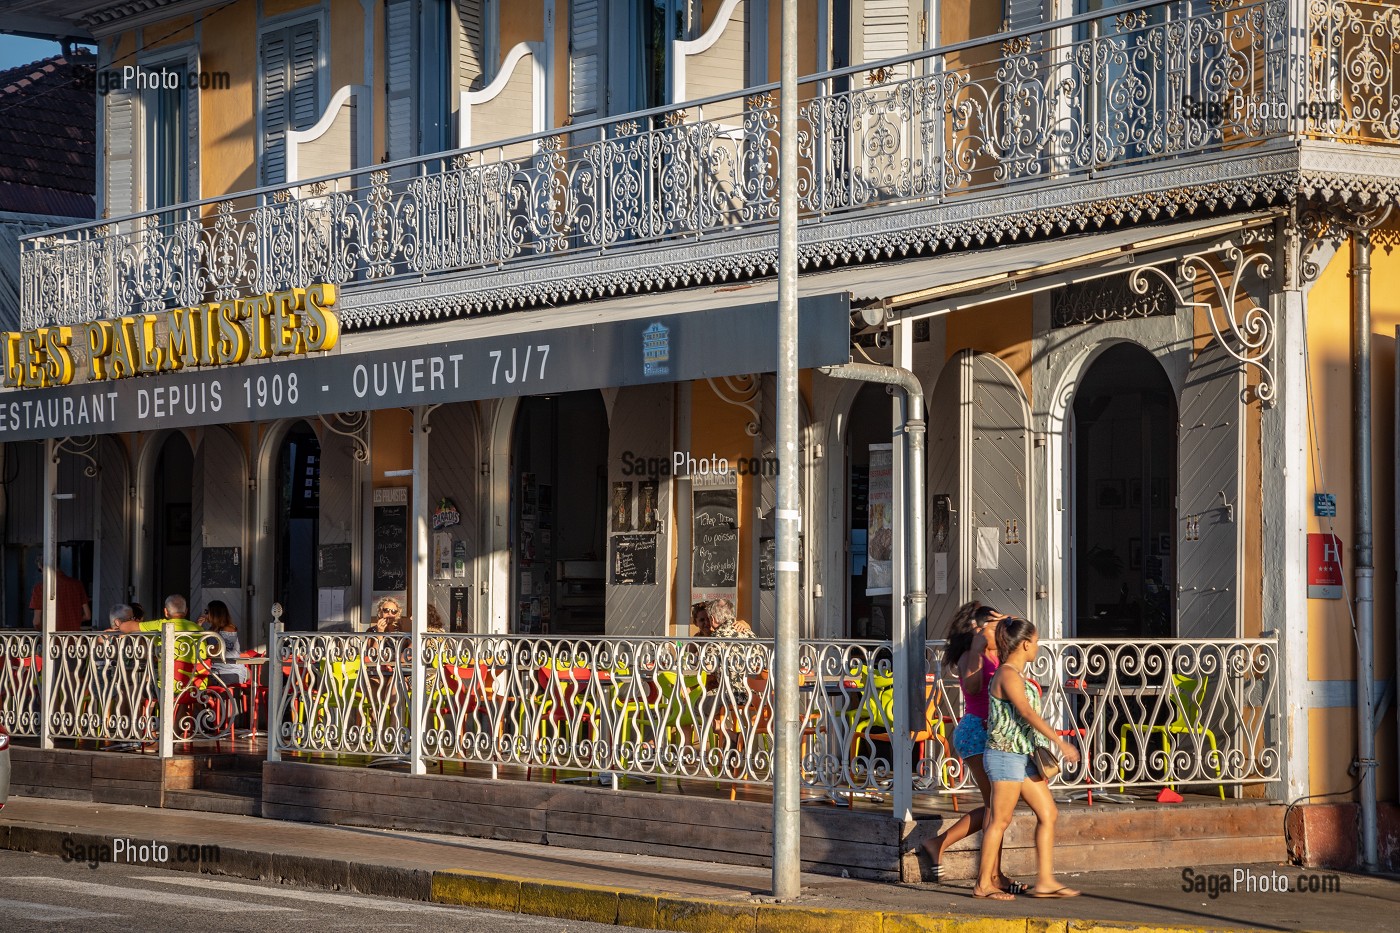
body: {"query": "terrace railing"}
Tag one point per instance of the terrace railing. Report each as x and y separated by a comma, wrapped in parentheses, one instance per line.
(1144, 714)
(1354, 71)
(1134, 85)
(111, 688)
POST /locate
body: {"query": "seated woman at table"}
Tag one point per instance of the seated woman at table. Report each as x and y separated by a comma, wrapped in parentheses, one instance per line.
(226, 672)
(719, 621)
(971, 652)
(386, 615)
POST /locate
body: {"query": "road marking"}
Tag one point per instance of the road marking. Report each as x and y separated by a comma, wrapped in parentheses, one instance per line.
(187, 901)
(340, 900)
(26, 910)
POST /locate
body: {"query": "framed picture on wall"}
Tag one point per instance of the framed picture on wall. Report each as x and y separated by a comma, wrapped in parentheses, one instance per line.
(1109, 494)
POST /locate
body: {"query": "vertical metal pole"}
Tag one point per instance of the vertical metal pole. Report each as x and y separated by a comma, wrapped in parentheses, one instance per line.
(47, 616)
(1365, 571)
(420, 588)
(787, 790)
(274, 684)
(901, 640)
(167, 690)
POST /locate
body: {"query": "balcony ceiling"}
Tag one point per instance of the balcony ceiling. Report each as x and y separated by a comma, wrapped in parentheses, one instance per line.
(85, 19)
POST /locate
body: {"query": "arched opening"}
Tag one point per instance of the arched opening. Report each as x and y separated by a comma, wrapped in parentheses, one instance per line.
(869, 519)
(559, 477)
(1125, 458)
(298, 517)
(171, 522)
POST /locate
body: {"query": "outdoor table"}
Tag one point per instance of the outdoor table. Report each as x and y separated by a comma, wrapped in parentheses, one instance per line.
(254, 683)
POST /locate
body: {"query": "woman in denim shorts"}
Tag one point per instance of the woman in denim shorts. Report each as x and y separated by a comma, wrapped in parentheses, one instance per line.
(971, 651)
(1014, 729)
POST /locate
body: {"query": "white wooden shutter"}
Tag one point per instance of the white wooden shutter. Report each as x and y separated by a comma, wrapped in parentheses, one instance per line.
(1022, 14)
(885, 29)
(585, 59)
(1208, 523)
(471, 44)
(1000, 458)
(401, 42)
(119, 108)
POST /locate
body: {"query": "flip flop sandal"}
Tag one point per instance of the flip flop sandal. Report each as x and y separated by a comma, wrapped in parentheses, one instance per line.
(936, 875)
(994, 896)
(1058, 892)
(1017, 888)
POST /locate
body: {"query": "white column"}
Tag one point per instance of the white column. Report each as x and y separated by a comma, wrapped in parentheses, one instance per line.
(50, 592)
(903, 640)
(1284, 433)
(419, 596)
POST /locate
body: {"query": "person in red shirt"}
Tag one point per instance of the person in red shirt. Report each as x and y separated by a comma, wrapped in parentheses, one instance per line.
(72, 609)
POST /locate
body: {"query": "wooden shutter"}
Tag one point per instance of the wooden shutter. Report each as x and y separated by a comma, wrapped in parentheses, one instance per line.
(885, 29)
(1022, 14)
(119, 108)
(401, 42)
(1208, 524)
(290, 91)
(471, 44)
(999, 480)
(585, 59)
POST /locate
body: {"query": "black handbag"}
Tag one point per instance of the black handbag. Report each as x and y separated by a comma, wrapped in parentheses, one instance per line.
(1046, 762)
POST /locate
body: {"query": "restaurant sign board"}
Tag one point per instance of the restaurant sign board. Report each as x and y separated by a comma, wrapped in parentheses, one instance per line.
(703, 344)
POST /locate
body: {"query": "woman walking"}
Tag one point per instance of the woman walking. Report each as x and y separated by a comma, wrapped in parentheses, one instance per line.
(1014, 729)
(971, 652)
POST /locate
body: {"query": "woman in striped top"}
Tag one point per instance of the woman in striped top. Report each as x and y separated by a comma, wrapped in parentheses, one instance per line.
(1014, 728)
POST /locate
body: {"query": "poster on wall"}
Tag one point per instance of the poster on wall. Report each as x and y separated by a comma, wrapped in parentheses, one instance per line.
(880, 522)
(621, 509)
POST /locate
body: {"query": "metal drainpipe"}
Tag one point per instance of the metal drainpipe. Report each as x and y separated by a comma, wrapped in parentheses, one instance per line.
(915, 574)
(1365, 597)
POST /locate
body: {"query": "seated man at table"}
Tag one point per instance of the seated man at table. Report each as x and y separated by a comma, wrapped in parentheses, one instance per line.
(186, 649)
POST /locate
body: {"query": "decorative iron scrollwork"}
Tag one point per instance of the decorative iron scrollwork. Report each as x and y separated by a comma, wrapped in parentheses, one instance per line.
(352, 425)
(1247, 335)
(1110, 299)
(84, 446)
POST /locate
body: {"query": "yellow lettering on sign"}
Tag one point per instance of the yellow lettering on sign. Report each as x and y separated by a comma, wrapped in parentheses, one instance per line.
(58, 363)
(186, 341)
(287, 337)
(99, 341)
(233, 339)
(14, 375)
(259, 315)
(322, 326)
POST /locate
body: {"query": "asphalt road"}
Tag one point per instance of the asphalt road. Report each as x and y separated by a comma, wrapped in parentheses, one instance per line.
(44, 893)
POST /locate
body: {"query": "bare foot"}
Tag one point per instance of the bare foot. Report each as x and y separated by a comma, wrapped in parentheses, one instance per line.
(995, 894)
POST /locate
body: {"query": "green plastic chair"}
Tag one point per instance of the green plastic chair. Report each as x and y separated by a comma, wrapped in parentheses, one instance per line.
(1186, 704)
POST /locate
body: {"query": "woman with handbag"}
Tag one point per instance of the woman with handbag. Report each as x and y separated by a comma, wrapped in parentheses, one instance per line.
(1015, 733)
(971, 652)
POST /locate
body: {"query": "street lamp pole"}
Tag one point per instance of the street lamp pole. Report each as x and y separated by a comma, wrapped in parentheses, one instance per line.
(787, 790)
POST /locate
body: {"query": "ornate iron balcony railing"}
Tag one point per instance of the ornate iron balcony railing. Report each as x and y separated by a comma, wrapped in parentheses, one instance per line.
(1143, 84)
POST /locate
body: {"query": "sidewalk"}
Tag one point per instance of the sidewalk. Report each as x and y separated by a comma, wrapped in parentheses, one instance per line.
(669, 894)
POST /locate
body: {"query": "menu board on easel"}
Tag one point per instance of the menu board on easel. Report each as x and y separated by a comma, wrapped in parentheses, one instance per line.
(390, 540)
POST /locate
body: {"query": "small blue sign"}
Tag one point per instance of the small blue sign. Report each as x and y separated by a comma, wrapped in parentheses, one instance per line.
(1324, 505)
(656, 350)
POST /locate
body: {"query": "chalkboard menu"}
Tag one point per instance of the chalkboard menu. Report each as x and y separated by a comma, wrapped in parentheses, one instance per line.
(715, 560)
(333, 565)
(634, 560)
(767, 563)
(221, 568)
(390, 548)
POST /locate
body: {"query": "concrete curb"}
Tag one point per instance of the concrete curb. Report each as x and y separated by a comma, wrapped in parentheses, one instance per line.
(563, 900)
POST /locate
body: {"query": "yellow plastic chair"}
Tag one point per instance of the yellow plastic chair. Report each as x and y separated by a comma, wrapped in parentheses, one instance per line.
(1186, 703)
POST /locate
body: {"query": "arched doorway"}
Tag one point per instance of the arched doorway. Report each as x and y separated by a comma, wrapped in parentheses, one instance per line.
(869, 599)
(171, 522)
(559, 495)
(1125, 462)
(298, 519)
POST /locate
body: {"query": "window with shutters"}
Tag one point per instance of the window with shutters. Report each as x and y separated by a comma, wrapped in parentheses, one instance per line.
(1022, 14)
(166, 150)
(417, 77)
(290, 91)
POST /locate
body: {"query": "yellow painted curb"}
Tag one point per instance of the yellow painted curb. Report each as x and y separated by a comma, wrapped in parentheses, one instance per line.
(784, 918)
(477, 889)
(918, 923)
(697, 915)
(635, 909)
(569, 901)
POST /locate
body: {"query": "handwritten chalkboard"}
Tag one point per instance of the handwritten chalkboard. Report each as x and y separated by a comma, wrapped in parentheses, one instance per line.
(333, 565)
(221, 568)
(634, 560)
(767, 563)
(715, 542)
(390, 548)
